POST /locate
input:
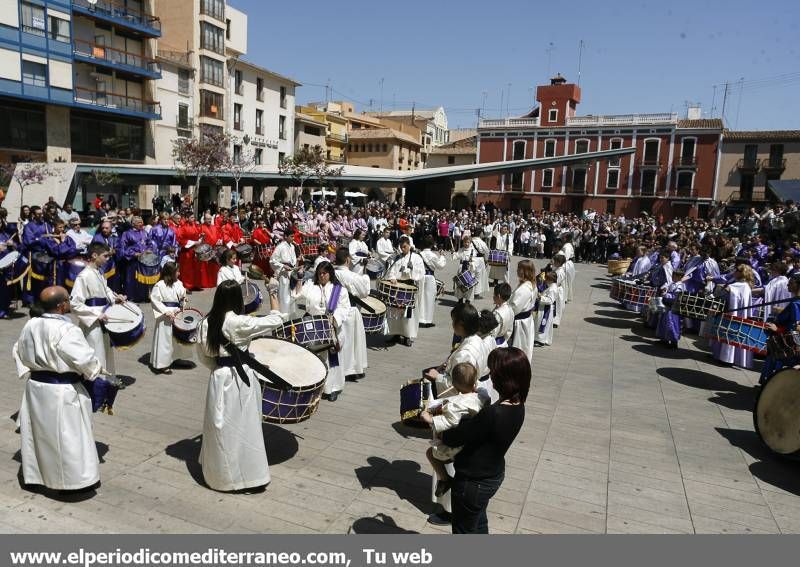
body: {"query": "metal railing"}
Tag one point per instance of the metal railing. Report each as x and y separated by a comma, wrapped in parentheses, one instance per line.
(748, 196)
(686, 161)
(115, 56)
(116, 101)
(650, 162)
(773, 164)
(747, 163)
(684, 192)
(338, 137)
(119, 11)
(623, 119)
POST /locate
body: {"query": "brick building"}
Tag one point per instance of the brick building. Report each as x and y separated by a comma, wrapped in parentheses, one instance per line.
(673, 172)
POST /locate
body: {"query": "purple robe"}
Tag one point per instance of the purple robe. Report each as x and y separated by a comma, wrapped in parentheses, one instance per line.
(163, 240)
(115, 266)
(669, 323)
(134, 242)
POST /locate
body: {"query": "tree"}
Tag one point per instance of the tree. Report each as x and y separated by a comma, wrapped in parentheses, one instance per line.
(105, 178)
(308, 164)
(200, 156)
(240, 164)
(26, 174)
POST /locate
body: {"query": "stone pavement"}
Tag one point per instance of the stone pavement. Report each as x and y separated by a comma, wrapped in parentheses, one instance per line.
(621, 435)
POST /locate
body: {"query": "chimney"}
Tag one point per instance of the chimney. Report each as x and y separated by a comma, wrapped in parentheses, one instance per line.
(694, 112)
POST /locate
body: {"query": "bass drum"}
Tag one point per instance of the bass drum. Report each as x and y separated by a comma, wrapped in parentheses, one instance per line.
(776, 417)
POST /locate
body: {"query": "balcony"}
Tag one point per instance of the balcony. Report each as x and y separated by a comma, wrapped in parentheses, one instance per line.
(509, 123)
(747, 165)
(116, 59)
(118, 103)
(623, 119)
(119, 15)
(772, 165)
(335, 159)
(648, 192)
(651, 163)
(684, 192)
(686, 162)
(745, 196)
(342, 139)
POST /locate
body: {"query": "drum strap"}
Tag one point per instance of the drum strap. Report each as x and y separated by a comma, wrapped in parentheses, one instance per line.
(333, 302)
(172, 303)
(49, 377)
(361, 303)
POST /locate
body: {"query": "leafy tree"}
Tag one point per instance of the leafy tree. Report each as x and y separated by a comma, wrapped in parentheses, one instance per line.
(308, 164)
(200, 156)
(26, 174)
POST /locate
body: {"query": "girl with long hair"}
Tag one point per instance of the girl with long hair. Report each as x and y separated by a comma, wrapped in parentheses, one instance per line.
(523, 303)
(167, 297)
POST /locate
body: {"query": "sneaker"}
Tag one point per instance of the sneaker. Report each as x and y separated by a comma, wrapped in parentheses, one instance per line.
(440, 519)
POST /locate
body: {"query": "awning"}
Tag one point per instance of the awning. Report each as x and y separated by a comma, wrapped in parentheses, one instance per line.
(785, 189)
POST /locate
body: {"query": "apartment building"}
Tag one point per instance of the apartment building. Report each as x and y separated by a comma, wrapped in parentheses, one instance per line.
(77, 82)
(432, 123)
(463, 151)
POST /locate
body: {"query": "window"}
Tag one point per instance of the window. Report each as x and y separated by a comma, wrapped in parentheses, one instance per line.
(183, 116)
(237, 154)
(651, 152)
(547, 178)
(363, 147)
(615, 144)
(259, 122)
(451, 160)
(545, 203)
(237, 116)
(684, 182)
(687, 150)
(184, 78)
(107, 138)
(59, 29)
(212, 71)
(519, 150)
(776, 156)
(213, 8)
(34, 74)
(282, 127)
(283, 97)
(612, 180)
(22, 129)
(549, 148)
(259, 88)
(211, 105)
(33, 19)
(258, 157)
(212, 38)
(369, 148)
(385, 148)
(581, 146)
(227, 29)
(649, 182)
(611, 206)
(552, 115)
(239, 81)
(281, 156)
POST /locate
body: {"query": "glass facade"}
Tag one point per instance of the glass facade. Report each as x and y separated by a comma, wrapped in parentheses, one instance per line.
(22, 128)
(114, 139)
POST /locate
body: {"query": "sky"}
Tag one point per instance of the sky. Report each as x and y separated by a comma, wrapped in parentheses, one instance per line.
(466, 55)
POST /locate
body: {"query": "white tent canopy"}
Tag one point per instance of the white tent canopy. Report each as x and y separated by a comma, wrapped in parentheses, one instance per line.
(330, 193)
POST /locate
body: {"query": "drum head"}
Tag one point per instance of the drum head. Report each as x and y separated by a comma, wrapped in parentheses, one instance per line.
(398, 285)
(378, 305)
(9, 259)
(776, 417)
(299, 367)
(123, 317)
(149, 259)
(188, 319)
(249, 292)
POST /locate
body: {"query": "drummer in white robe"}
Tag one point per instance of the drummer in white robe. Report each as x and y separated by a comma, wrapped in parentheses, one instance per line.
(559, 263)
(739, 296)
(467, 258)
(283, 261)
(502, 240)
(776, 289)
(504, 315)
(167, 297)
(481, 251)
(324, 295)
(230, 270)
(523, 302)
(233, 455)
(384, 248)
(404, 322)
(353, 356)
(90, 296)
(426, 299)
(359, 252)
(58, 448)
(568, 251)
(548, 301)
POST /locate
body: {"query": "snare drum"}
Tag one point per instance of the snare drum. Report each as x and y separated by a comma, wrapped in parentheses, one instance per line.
(148, 268)
(125, 325)
(310, 250)
(315, 332)
(618, 267)
(615, 293)
(245, 252)
(74, 267)
(251, 296)
(373, 322)
(204, 252)
(697, 306)
(255, 273)
(784, 346)
(264, 251)
(9, 259)
(43, 267)
(184, 327)
(497, 258)
(439, 288)
(375, 268)
(218, 252)
(776, 419)
(635, 297)
(414, 398)
(739, 332)
(398, 294)
(302, 369)
(466, 281)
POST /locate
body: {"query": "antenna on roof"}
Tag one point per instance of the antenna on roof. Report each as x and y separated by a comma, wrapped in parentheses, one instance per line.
(580, 57)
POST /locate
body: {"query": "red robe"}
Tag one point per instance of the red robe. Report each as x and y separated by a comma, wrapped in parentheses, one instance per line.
(186, 260)
(261, 236)
(232, 233)
(208, 270)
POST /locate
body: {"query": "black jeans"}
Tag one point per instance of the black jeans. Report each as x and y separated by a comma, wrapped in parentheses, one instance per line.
(469, 499)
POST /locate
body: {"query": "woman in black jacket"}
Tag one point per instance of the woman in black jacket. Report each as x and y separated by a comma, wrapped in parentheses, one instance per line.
(485, 438)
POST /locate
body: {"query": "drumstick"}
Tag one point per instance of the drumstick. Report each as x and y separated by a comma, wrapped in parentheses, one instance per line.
(118, 320)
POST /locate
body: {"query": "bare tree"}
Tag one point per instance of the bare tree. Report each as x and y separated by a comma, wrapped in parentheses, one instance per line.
(308, 164)
(26, 174)
(200, 156)
(239, 165)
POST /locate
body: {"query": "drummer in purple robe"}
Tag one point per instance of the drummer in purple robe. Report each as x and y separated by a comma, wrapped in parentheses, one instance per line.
(641, 265)
(787, 320)
(112, 270)
(33, 240)
(62, 248)
(668, 329)
(7, 246)
(164, 239)
(132, 245)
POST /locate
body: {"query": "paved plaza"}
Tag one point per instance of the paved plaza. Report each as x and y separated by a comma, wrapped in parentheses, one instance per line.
(621, 435)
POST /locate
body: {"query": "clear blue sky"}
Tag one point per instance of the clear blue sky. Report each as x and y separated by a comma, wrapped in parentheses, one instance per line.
(638, 57)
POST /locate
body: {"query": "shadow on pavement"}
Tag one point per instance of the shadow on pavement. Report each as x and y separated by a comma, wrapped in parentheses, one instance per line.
(407, 431)
(727, 393)
(404, 477)
(377, 524)
(775, 470)
(609, 323)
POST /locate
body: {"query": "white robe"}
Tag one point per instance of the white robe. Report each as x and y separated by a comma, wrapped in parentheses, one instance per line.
(739, 295)
(483, 274)
(316, 300)
(776, 289)
(426, 299)
(165, 350)
(353, 356)
(230, 273)
(500, 273)
(561, 276)
(57, 442)
(233, 455)
(90, 284)
(505, 324)
(468, 255)
(547, 298)
(569, 280)
(524, 299)
(282, 261)
(384, 249)
(405, 269)
(354, 247)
